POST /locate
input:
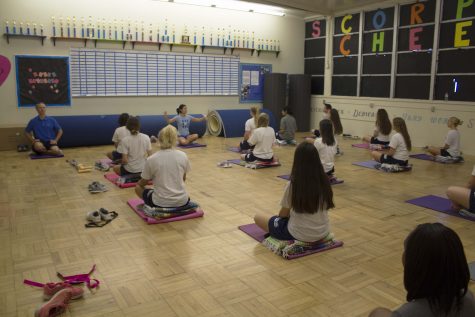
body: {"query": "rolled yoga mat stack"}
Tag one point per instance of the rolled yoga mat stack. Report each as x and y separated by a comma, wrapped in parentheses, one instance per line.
(230, 123)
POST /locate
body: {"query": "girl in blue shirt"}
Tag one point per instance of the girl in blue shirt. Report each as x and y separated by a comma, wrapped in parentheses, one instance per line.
(183, 120)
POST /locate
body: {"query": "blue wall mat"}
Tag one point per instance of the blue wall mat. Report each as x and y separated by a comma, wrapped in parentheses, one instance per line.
(98, 130)
(235, 119)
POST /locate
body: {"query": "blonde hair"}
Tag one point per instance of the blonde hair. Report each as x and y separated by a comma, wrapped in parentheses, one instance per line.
(263, 120)
(255, 113)
(455, 122)
(167, 137)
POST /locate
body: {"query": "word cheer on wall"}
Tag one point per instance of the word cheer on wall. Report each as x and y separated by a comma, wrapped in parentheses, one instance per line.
(366, 63)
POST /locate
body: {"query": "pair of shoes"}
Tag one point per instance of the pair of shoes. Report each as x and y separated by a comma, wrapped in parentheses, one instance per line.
(224, 164)
(281, 142)
(99, 216)
(96, 187)
(103, 167)
(22, 148)
(73, 162)
(467, 213)
(50, 289)
(59, 302)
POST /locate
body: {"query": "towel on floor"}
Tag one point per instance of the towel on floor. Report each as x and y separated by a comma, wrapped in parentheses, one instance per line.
(167, 212)
(293, 248)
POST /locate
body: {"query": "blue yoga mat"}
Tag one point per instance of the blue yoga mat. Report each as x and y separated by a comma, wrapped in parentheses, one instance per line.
(232, 121)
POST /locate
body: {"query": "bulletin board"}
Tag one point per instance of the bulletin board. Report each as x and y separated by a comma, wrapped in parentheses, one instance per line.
(251, 82)
(42, 79)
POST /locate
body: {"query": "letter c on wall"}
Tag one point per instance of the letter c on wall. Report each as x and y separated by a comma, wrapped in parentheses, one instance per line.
(344, 51)
(344, 29)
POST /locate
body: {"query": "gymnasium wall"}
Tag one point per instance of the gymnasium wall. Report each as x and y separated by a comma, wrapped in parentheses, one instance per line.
(426, 119)
(289, 30)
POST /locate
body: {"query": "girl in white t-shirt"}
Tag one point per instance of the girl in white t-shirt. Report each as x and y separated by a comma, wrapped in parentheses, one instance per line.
(399, 146)
(135, 149)
(119, 133)
(167, 169)
(452, 141)
(463, 198)
(307, 198)
(262, 138)
(382, 129)
(250, 126)
(326, 146)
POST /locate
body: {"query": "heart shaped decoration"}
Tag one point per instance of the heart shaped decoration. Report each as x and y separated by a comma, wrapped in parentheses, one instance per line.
(5, 67)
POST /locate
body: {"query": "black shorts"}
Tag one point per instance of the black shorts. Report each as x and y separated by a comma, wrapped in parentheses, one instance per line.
(251, 158)
(443, 152)
(471, 204)
(46, 144)
(386, 159)
(116, 156)
(376, 141)
(278, 228)
(147, 199)
(244, 145)
(123, 171)
(331, 172)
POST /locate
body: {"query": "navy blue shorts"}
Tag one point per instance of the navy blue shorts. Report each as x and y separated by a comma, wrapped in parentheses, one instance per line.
(278, 228)
(386, 159)
(471, 205)
(376, 141)
(147, 199)
(116, 156)
(443, 152)
(251, 158)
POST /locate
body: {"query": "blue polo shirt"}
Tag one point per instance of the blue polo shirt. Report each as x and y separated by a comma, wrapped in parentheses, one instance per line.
(44, 130)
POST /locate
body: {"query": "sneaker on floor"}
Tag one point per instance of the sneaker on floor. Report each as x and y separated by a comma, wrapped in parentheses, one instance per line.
(94, 216)
(96, 187)
(467, 213)
(105, 214)
(49, 289)
(103, 167)
(57, 304)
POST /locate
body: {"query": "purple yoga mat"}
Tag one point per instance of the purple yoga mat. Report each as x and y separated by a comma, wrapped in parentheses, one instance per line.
(439, 204)
(361, 145)
(423, 156)
(133, 203)
(286, 177)
(44, 156)
(191, 145)
(368, 164)
(259, 235)
(234, 149)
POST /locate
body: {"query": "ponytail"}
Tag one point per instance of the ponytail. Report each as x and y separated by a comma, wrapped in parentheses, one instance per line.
(133, 125)
(180, 108)
(455, 121)
(400, 126)
(255, 114)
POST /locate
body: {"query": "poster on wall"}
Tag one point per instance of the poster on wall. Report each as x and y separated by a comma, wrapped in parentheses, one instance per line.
(42, 79)
(251, 82)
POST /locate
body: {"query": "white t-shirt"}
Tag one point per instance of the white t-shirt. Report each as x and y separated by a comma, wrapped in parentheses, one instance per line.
(305, 227)
(250, 125)
(453, 141)
(166, 168)
(379, 136)
(327, 154)
(399, 145)
(263, 139)
(136, 147)
(119, 134)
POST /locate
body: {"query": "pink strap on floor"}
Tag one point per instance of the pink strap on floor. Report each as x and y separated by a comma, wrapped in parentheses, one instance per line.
(81, 278)
(31, 283)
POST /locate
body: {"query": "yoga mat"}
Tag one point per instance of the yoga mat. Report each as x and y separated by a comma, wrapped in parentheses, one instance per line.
(133, 203)
(107, 161)
(361, 145)
(258, 166)
(259, 235)
(423, 156)
(113, 178)
(439, 204)
(367, 164)
(286, 177)
(191, 145)
(230, 123)
(234, 149)
(43, 156)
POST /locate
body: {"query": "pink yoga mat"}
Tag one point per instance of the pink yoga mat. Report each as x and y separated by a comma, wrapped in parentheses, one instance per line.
(133, 203)
(107, 161)
(439, 204)
(44, 156)
(113, 178)
(259, 235)
(361, 145)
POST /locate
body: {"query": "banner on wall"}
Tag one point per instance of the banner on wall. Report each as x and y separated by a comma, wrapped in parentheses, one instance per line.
(42, 79)
(251, 82)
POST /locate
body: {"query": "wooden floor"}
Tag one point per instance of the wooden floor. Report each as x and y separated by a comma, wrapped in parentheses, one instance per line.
(206, 266)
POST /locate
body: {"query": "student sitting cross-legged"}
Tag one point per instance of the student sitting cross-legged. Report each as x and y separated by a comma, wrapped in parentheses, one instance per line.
(120, 133)
(436, 275)
(463, 198)
(399, 146)
(183, 121)
(307, 198)
(326, 146)
(262, 138)
(167, 168)
(135, 149)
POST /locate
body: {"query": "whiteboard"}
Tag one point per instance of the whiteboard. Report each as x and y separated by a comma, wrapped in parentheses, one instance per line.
(143, 73)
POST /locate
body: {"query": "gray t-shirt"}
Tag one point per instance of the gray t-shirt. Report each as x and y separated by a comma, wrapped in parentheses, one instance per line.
(421, 308)
(183, 124)
(289, 125)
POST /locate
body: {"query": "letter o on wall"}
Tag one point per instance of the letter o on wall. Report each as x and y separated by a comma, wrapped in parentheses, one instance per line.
(380, 17)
